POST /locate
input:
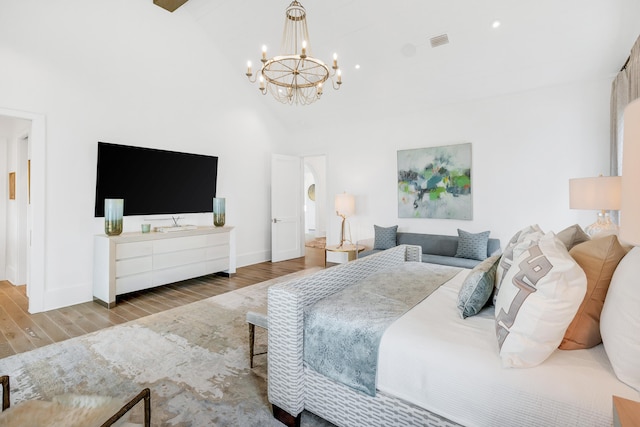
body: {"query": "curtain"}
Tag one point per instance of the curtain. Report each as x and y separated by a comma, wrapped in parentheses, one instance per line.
(624, 89)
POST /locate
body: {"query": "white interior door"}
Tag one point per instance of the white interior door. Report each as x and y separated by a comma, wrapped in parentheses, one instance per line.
(287, 234)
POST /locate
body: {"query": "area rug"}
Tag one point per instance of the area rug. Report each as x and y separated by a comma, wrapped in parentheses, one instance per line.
(194, 358)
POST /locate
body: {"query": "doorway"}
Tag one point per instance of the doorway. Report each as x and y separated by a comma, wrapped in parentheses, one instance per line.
(22, 140)
(315, 209)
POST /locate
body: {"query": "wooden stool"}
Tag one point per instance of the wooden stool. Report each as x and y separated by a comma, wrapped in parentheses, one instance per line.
(254, 319)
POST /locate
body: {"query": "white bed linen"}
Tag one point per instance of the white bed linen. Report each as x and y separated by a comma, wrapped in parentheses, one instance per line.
(433, 358)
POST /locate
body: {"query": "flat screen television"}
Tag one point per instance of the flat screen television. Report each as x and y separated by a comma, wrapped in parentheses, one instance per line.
(155, 181)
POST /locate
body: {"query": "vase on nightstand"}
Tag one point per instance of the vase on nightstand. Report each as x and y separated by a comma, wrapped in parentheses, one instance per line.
(218, 211)
(113, 211)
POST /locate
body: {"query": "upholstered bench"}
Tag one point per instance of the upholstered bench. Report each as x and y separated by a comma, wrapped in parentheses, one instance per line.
(254, 319)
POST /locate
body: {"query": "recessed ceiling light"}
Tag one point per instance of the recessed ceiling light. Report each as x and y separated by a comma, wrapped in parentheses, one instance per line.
(357, 66)
(495, 24)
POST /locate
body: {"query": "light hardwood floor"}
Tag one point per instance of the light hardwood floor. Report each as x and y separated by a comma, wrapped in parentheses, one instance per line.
(21, 331)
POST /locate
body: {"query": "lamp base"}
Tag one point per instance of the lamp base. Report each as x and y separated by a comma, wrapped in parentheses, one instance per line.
(602, 227)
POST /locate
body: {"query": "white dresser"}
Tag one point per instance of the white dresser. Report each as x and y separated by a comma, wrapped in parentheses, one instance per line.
(135, 261)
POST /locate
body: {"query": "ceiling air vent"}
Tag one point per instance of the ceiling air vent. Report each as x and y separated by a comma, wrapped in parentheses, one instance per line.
(440, 40)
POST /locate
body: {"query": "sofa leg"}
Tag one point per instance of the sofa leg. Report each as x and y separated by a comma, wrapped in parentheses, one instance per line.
(286, 418)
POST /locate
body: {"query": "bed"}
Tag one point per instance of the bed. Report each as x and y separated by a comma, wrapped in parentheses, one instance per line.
(434, 368)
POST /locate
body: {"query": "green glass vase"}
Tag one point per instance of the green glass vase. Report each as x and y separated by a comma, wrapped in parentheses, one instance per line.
(113, 211)
(218, 211)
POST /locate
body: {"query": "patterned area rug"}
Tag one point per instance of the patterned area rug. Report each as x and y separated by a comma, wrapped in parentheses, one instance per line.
(195, 360)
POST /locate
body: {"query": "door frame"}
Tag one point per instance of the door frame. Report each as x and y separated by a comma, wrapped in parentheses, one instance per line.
(37, 227)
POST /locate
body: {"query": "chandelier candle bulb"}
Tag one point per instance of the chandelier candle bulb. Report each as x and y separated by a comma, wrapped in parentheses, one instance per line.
(264, 53)
(319, 89)
(249, 73)
(339, 73)
(335, 61)
(304, 49)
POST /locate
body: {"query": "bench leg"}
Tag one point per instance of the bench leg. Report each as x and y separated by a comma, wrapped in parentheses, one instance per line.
(286, 418)
(252, 330)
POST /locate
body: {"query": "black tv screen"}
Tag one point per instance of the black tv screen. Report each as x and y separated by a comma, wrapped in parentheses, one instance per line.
(155, 181)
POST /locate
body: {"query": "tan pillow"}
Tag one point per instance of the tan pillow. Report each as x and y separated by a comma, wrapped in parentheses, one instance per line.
(598, 258)
(572, 235)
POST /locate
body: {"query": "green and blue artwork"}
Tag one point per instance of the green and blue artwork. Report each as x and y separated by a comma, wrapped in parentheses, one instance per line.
(435, 182)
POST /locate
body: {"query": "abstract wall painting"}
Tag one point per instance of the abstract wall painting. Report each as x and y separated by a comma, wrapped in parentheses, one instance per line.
(435, 182)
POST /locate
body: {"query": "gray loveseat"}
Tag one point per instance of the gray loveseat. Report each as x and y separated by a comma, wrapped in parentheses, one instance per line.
(439, 249)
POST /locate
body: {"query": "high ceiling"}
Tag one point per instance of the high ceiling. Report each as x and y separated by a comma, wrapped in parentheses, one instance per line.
(539, 43)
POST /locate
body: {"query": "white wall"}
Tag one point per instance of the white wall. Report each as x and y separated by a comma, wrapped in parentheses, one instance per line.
(129, 72)
(525, 147)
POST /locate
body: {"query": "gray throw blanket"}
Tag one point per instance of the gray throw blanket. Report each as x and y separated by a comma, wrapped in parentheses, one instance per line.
(342, 332)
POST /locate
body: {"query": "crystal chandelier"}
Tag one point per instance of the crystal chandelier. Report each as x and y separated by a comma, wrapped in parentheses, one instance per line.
(295, 76)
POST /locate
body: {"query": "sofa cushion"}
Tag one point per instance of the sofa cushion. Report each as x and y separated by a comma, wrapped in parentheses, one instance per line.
(435, 244)
(572, 235)
(472, 246)
(599, 259)
(385, 237)
(449, 260)
(539, 297)
(477, 287)
(620, 320)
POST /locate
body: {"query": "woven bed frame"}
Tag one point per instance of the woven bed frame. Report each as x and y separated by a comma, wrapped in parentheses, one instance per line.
(293, 387)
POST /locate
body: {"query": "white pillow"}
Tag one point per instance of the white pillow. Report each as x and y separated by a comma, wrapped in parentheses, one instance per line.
(531, 234)
(538, 299)
(620, 320)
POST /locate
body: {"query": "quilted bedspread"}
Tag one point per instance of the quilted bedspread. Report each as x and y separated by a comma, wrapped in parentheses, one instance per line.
(342, 332)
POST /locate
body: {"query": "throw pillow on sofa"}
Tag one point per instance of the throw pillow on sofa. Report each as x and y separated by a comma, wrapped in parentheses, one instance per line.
(529, 234)
(620, 320)
(572, 236)
(477, 287)
(598, 258)
(539, 297)
(385, 237)
(472, 246)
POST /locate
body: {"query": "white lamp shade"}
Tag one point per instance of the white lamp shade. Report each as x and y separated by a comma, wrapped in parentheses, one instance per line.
(598, 193)
(345, 204)
(630, 211)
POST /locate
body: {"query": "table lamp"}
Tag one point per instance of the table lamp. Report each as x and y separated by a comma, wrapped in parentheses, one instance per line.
(599, 193)
(345, 205)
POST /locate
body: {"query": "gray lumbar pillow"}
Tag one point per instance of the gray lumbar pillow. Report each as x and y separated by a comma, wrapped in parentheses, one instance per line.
(385, 237)
(478, 287)
(472, 246)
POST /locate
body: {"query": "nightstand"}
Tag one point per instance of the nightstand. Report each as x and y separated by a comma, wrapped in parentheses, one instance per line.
(626, 413)
(350, 249)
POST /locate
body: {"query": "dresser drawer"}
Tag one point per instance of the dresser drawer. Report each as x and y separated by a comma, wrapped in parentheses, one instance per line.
(215, 266)
(176, 274)
(134, 249)
(216, 252)
(175, 259)
(179, 244)
(127, 267)
(218, 239)
(133, 283)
